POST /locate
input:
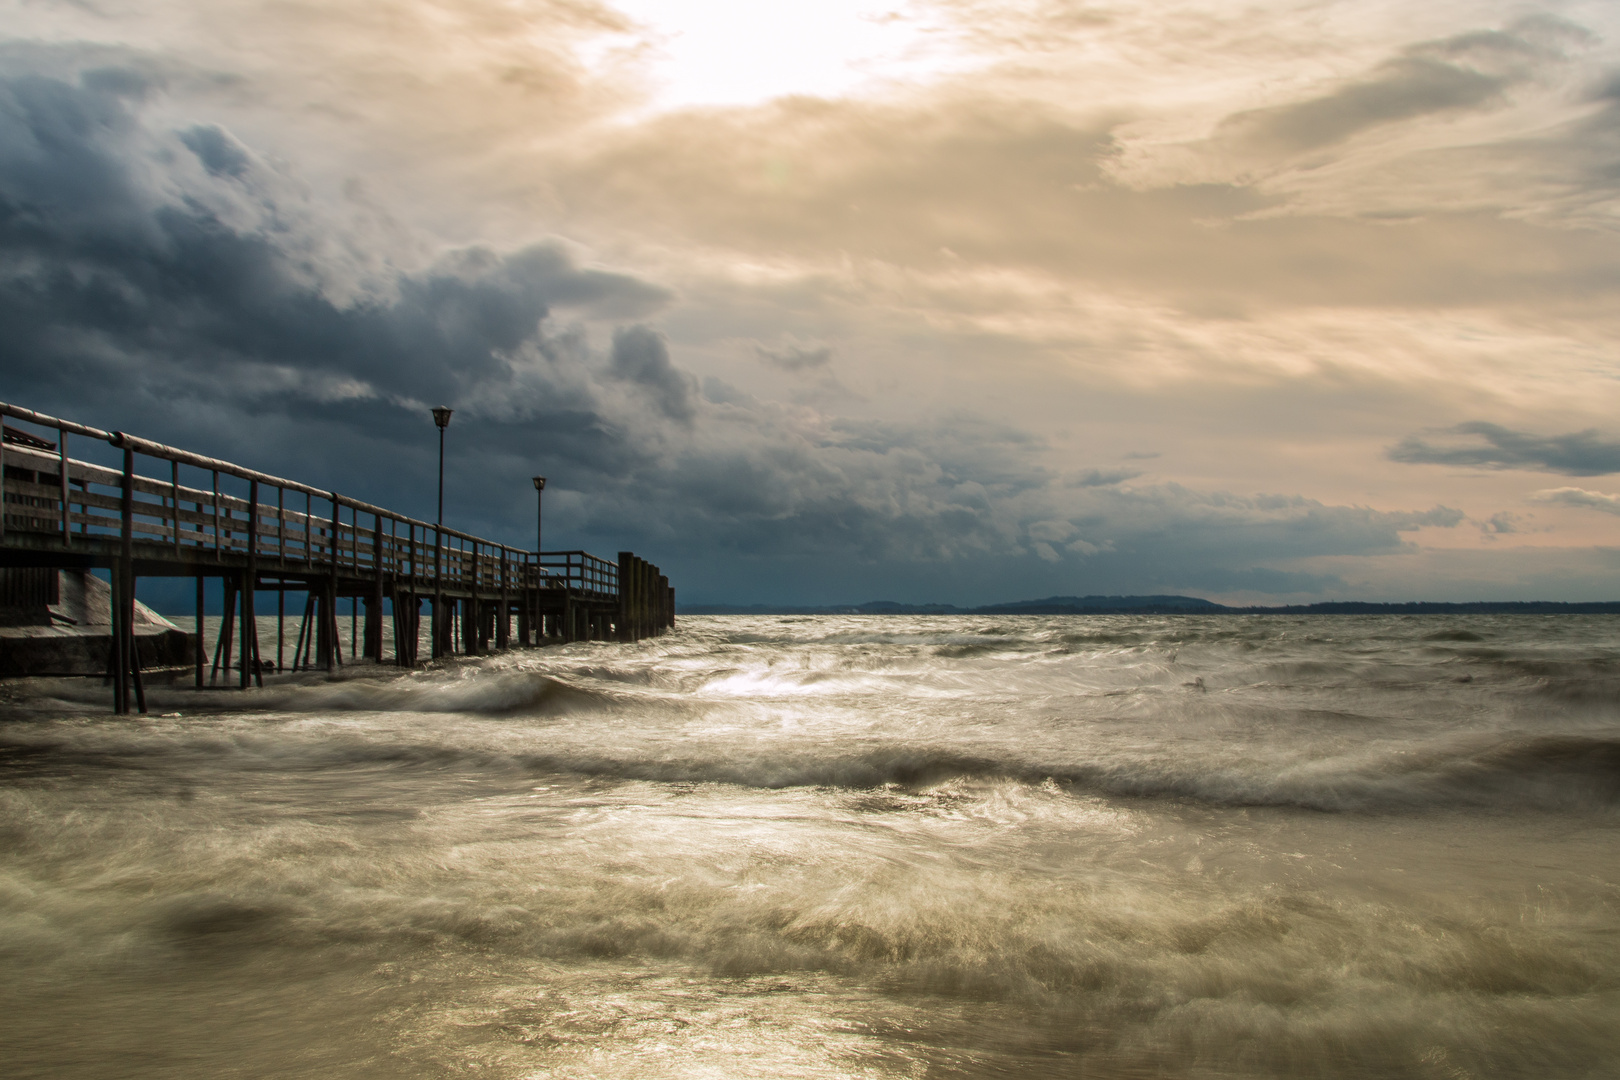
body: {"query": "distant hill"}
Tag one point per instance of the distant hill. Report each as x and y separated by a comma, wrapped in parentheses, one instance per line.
(1074, 605)
(1169, 605)
(1052, 605)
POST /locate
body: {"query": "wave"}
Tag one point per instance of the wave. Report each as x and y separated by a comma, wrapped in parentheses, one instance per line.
(1569, 773)
(1558, 772)
(471, 690)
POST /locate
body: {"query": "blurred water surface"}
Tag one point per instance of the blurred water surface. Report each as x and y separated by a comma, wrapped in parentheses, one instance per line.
(1121, 846)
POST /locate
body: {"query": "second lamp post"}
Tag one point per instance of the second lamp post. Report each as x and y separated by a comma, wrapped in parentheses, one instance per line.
(441, 417)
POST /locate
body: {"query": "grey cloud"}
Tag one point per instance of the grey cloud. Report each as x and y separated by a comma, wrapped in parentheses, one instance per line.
(1269, 526)
(1574, 496)
(796, 358)
(1103, 478)
(1466, 71)
(641, 356)
(1491, 446)
(221, 154)
(1399, 89)
(720, 392)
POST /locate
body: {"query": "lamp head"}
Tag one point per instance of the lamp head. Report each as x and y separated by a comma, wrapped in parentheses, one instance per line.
(539, 483)
(441, 416)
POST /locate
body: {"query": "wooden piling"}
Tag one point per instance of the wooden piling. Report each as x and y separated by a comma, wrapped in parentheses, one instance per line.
(227, 630)
(281, 623)
(124, 621)
(374, 648)
(625, 559)
(250, 629)
(334, 659)
(199, 653)
(503, 622)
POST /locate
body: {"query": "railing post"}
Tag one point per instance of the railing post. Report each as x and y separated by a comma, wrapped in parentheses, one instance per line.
(2, 480)
(62, 449)
(174, 491)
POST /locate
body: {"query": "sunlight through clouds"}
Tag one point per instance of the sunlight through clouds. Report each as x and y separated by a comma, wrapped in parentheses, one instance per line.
(740, 52)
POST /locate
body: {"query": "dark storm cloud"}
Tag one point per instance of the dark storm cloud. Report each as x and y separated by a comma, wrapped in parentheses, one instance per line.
(1492, 446)
(641, 356)
(206, 276)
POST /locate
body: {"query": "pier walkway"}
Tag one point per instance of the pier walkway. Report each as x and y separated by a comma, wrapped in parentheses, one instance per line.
(172, 513)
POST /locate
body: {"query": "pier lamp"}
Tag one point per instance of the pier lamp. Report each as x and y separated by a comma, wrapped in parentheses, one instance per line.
(441, 416)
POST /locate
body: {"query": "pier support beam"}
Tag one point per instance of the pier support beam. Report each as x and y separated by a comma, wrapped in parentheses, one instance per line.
(199, 651)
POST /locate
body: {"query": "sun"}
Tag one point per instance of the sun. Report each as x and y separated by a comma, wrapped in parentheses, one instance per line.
(743, 52)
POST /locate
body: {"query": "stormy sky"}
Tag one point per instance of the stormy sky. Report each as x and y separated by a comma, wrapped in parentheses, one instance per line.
(825, 302)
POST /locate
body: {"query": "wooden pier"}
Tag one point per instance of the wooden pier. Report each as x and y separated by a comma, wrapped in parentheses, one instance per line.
(188, 516)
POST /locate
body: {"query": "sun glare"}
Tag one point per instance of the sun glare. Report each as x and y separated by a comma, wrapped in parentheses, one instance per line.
(742, 52)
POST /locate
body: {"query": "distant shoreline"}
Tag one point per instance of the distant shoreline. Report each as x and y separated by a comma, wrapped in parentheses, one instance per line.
(1172, 605)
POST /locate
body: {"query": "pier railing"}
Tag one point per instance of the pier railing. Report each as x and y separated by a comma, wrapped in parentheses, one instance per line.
(580, 570)
(54, 500)
(257, 531)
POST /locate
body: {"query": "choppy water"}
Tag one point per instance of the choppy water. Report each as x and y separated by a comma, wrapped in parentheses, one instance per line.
(852, 847)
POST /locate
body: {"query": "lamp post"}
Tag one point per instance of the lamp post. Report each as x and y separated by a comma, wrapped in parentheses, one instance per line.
(441, 417)
(539, 487)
